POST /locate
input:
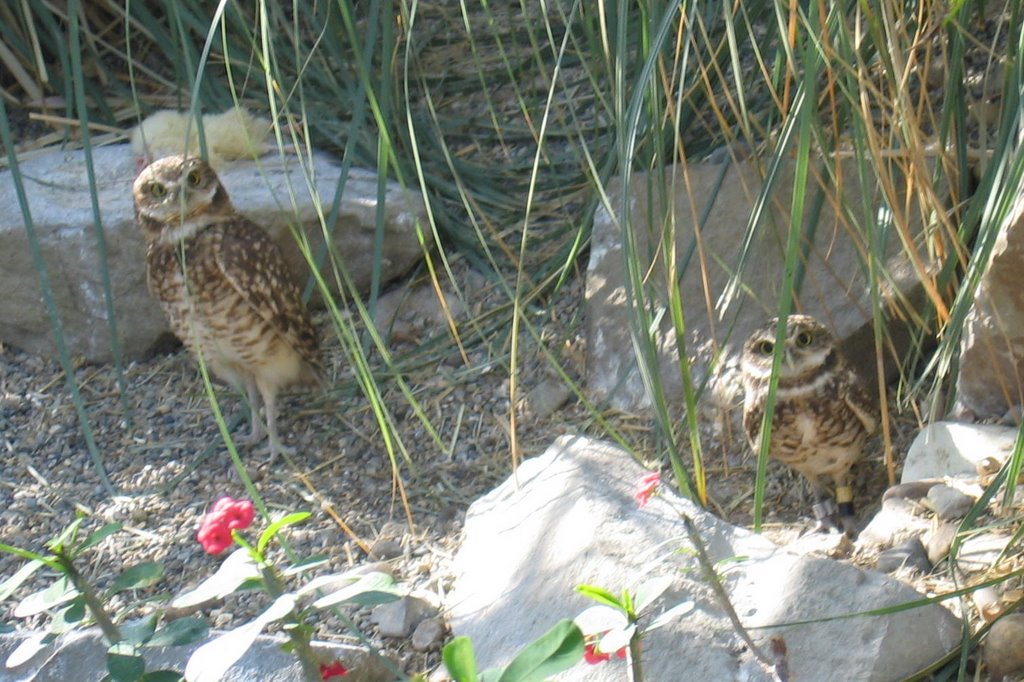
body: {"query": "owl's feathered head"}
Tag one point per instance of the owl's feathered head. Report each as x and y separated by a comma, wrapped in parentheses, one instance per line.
(176, 196)
(807, 348)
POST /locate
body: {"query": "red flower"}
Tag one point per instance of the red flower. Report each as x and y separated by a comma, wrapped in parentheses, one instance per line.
(214, 537)
(224, 516)
(646, 487)
(237, 513)
(592, 656)
(333, 669)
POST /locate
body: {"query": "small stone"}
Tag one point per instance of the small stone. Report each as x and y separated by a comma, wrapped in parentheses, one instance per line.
(911, 554)
(547, 396)
(949, 503)
(1004, 647)
(428, 635)
(398, 618)
(895, 523)
(386, 548)
(938, 541)
(913, 490)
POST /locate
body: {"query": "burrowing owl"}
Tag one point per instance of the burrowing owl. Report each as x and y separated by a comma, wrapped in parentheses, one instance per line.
(823, 415)
(225, 286)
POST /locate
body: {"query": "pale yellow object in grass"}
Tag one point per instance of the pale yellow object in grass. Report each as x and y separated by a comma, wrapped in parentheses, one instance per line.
(231, 135)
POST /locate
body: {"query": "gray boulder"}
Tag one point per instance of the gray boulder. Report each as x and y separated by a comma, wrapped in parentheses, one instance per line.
(990, 380)
(82, 655)
(568, 517)
(271, 191)
(833, 285)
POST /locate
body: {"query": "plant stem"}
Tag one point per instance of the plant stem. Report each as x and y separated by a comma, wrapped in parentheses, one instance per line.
(92, 600)
(636, 668)
(298, 633)
(715, 582)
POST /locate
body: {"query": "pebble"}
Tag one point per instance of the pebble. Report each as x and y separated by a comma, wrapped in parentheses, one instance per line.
(398, 618)
(949, 503)
(428, 635)
(547, 397)
(908, 555)
(1004, 647)
(938, 540)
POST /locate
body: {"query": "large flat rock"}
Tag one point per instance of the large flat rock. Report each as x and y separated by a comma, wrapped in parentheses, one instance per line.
(272, 191)
(568, 517)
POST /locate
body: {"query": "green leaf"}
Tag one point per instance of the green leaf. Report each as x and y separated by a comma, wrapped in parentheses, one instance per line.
(70, 617)
(186, 630)
(29, 647)
(677, 611)
(650, 590)
(137, 631)
(276, 526)
(210, 661)
(124, 667)
(305, 565)
(138, 576)
(616, 639)
(98, 536)
(600, 618)
(8, 586)
(602, 596)
(460, 660)
(60, 592)
(236, 569)
(369, 590)
(558, 649)
(68, 533)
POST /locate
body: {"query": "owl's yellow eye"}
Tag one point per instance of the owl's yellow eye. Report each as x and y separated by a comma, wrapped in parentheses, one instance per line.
(766, 347)
(804, 339)
(193, 178)
(157, 190)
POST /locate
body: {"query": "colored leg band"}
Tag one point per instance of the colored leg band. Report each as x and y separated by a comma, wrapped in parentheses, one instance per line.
(844, 494)
(846, 508)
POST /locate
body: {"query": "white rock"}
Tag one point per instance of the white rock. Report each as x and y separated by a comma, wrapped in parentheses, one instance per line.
(954, 449)
(568, 518)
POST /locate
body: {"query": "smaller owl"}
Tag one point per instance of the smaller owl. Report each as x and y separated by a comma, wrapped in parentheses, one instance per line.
(823, 414)
(224, 286)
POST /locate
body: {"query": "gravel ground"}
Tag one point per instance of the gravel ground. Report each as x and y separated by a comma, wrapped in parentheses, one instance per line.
(168, 461)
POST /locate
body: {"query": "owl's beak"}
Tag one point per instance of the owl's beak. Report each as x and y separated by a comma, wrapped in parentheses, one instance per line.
(787, 357)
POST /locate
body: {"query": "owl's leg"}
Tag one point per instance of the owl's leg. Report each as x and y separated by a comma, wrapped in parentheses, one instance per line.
(824, 508)
(252, 397)
(269, 394)
(844, 500)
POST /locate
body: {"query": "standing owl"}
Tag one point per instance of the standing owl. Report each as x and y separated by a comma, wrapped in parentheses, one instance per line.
(225, 287)
(823, 415)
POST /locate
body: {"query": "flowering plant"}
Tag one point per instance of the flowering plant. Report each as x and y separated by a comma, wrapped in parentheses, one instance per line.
(73, 602)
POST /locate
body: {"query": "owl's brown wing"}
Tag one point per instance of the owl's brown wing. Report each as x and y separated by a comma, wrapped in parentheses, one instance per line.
(860, 403)
(753, 415)
(253, 264)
